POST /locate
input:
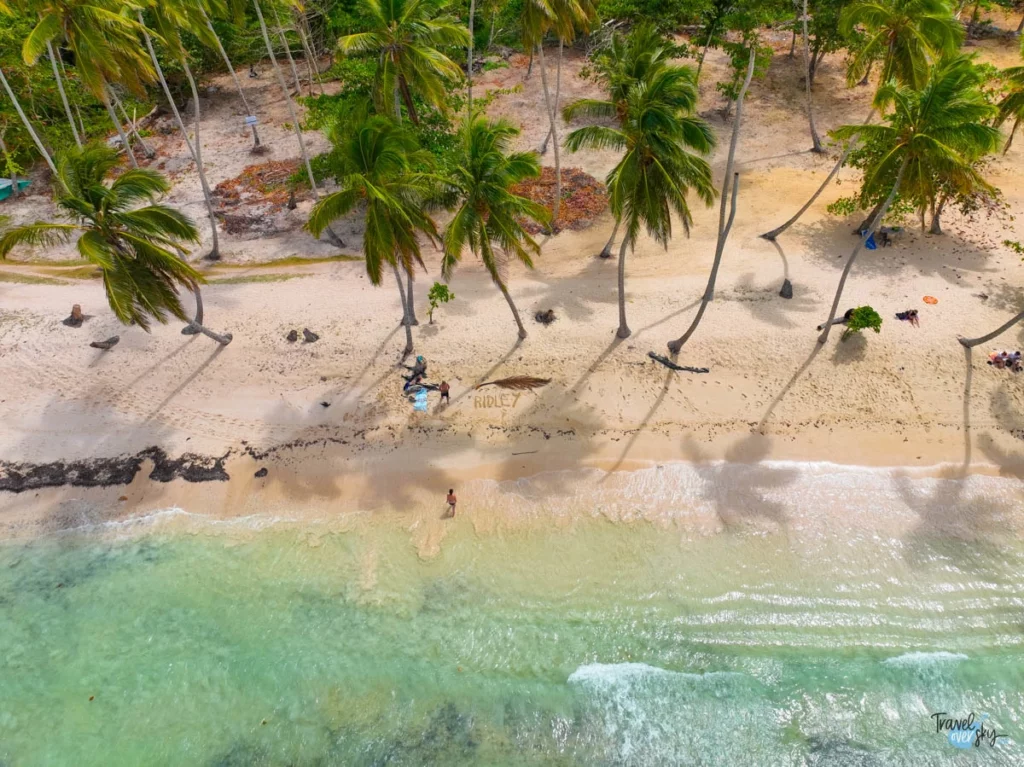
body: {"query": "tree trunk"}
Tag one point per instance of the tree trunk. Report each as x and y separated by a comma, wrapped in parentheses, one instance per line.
(1020, 27)
(972, 342)
(554, 132)
(515, 312)
(865, 225)
(529, 67)
(623, 331)
(214, 254)
(606, 252)
(234, 76)
(558, 96)
(723, 225)
(63, 95)
(146, 148)
(291, 106)
(704, 51)
(494, 16)
(832, 174)
(867, 74)
(469, 66)
(287, 51)
(28, 126)
(310, 59)
(860, 244)
(196, 326)
(792, 44)
(407, 98)
(78, 112)
(405, 311)
(193, 150)
(815, 141)
(411, 301)
(936, 227)
(117, 125)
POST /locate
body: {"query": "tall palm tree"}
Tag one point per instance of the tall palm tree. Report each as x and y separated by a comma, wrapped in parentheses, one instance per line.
(377, 161)
(134, 247)
(629, 59)
(815, 139)
(104, 39)
(582, 14)
(234, 75)
(908, 35)
(664, 146)
(28, 125)
(932, 134)
(489, 218)
(170, 18)
(406, 37)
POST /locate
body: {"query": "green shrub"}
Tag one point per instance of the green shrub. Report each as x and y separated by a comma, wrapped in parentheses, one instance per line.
(439, 294)
(863, 317)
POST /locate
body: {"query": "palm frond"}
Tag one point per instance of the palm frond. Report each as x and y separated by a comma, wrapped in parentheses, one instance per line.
(517, 383)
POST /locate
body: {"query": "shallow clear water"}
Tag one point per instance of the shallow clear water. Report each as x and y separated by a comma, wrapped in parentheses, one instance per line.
(591, 642)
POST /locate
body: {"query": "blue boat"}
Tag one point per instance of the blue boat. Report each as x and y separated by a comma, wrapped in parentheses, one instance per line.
(5, 187)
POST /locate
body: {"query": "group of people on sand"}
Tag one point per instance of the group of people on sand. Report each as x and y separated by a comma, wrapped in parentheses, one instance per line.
(1006, 361)
(908, 315)
(416, 380)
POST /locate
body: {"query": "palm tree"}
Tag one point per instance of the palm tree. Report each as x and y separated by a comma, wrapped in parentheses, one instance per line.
(663, 145)
(234, 76)
(489, 214)
(629, 59)
(378, 160)
(135, 248)
(105, 42)
(907, 35)
(405, 36)
(581, 13)
(815, 140)
(28, 125)
(724, 225)
(932, 134)
(171, 17)
(1012, 104)
(972, 342)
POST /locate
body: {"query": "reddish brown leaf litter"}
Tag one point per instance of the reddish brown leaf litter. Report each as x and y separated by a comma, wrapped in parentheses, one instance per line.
(263, 189)
(584, 198)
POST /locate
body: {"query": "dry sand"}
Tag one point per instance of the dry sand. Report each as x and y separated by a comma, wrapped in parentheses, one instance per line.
(906, 397)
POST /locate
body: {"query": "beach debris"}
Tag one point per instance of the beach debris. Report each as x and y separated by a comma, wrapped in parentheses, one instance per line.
(545, 318)
(92, 698)
(122, 498)
(309, 335)
(325, 403)
(76, 317)
(673, 366)
(107, 345)
(420, 400)
(584, 198)
(293, 336)
(930, 300)
(517, 383)
(787, 289)
(261, 473)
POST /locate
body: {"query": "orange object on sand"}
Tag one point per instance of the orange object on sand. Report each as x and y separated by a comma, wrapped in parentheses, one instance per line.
(931, 300)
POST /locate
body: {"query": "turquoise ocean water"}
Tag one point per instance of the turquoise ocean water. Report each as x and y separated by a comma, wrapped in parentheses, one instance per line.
(819, 619)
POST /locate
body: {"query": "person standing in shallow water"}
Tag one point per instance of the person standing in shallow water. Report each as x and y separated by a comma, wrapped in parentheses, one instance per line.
(452, 500)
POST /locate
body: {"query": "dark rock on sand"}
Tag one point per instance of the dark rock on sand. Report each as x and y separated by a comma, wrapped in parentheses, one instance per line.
(107, 345)
(309, 335)
(787, 289)
(261, 473)
(292, 336)
(76, 318)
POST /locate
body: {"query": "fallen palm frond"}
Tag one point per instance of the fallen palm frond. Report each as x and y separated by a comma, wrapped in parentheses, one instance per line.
(520, 383)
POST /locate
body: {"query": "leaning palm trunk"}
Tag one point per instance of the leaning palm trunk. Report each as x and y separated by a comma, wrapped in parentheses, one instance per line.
(936, 225)
(623, 331)
(196, 326)
(606, 251)
(558, 94)
(234, 76)
(288, 52)
(63, 95)
(828, 179)
(312, 65)
(972, 342)
(515, 312)
(405, 311)
(117, 125)
(133, 129)
(723, 225)
(291, 112)
(194, 151)
(28, 126)
(411, 304)
(860, 244)
(214, 254)
(554, 132)
(469, 67)
(815, 140)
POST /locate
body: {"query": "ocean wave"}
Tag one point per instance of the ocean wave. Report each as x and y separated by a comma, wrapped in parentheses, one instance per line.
(925, 658)
(610, 674)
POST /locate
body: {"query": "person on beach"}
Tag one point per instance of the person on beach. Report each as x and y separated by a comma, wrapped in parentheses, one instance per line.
(419, 370)
(452, 500)
(444, 389)
(910, 315)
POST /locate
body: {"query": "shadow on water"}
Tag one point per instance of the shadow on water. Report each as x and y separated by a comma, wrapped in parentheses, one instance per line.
(738, 486)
